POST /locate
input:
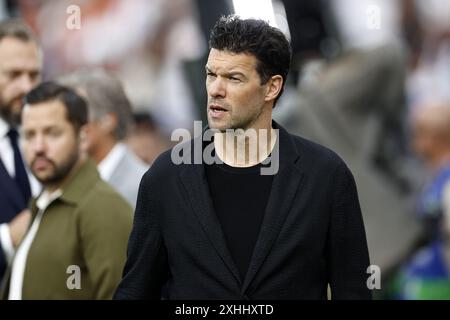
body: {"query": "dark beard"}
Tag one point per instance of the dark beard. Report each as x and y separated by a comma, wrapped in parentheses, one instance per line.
(13, 120)
(60, 173)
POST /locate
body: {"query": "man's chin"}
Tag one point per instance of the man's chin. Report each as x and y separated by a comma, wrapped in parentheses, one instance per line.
(45, 178)
(214, 125)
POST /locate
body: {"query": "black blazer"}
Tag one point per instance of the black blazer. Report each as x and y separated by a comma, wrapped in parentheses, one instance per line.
(312, 234)
(11, 203)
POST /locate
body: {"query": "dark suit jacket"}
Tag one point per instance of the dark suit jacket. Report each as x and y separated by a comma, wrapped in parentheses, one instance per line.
(11, 203)
(312, 234)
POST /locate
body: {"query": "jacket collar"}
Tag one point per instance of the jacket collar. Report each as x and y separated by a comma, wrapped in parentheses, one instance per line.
(75, 189)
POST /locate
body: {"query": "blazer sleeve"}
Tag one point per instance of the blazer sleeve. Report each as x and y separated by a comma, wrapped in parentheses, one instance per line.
(347, 245)
(146, 269)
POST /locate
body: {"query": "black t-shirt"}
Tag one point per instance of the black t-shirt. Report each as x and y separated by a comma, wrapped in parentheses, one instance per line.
(239, 196)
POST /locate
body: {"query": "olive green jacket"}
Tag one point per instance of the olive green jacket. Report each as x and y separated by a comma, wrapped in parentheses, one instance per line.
(86, 229)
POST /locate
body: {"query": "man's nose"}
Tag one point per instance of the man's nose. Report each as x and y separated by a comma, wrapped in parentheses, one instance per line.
(26, 83)
(217, 88)
(39, 145)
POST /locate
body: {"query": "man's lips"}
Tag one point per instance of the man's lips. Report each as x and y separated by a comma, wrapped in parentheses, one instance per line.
(41, 163)
(216, 111)
(218, 108)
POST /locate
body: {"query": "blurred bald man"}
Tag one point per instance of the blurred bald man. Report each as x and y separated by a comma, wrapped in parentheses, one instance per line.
(424, 275)
(431, 141)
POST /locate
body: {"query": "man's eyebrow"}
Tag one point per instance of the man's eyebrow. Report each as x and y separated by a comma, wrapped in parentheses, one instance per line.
(235, 73)
(20, 69)
(227, 74)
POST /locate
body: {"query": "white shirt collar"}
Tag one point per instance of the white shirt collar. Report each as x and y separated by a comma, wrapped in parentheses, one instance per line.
(107, 166)
(46, 198)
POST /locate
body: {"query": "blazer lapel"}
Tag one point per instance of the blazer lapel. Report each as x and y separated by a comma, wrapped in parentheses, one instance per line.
(285, 186)
(194, 181)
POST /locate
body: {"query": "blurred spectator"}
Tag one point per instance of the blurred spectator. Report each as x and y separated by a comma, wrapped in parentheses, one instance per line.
(429, 75)
(145, 139)
(145, 42)
(353, 44)
(110, 117)
(75, 247)
(20, 71)
(312, 35)
(351, 99)
(431, 140)
(426, 275)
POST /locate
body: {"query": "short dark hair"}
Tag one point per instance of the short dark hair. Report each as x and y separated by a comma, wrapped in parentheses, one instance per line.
(76, 107)
(16, 28)
(268, 44)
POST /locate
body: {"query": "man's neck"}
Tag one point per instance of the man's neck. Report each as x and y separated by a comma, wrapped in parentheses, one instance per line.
(245, 148)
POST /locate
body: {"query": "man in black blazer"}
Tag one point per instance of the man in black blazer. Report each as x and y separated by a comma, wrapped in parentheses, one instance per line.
(20, 71)
(235, 227)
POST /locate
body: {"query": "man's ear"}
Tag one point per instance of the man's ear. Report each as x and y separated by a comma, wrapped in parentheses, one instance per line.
(274, 86)
(109, 121)
(83, 138)
(82, 133)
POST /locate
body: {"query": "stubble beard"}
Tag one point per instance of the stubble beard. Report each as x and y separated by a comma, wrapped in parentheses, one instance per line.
(59, 172)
